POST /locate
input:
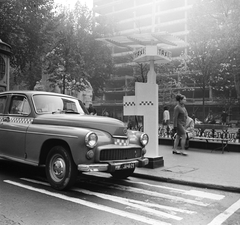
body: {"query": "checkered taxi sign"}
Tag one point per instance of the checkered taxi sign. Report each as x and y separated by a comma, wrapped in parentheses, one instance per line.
(122, 142)
(18, 120)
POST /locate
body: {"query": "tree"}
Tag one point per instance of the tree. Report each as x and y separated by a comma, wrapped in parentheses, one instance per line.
(209, 24)
(76, 56)
(26, 26)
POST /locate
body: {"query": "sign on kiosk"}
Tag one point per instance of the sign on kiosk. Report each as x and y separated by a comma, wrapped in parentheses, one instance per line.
(149, 53)
(164, 53)
(140, 52)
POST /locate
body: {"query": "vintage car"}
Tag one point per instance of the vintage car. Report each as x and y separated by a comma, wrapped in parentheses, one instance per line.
(55, 131)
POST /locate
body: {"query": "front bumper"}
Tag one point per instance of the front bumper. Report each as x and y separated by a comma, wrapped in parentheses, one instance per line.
(110, 167)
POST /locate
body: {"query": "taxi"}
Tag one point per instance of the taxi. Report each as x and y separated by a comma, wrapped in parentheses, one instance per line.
(55, 130)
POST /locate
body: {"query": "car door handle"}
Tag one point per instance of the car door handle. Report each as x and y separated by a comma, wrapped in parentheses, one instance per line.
(6, 119)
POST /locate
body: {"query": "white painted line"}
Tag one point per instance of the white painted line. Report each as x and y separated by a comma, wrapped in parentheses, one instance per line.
(199, 194)
(129, 203)
(104, 208)
(202, 194)
(169, 208)
(153, 193)
(150, 193)
(222, 217)
(36, 181)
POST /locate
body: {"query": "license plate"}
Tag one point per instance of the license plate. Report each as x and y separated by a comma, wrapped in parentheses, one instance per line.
(125, 166)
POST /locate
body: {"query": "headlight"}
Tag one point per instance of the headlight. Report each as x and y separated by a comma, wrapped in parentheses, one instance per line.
(144, 139)
(91, 140)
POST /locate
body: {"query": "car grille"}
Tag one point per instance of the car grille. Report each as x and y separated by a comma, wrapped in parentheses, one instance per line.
(120, 154)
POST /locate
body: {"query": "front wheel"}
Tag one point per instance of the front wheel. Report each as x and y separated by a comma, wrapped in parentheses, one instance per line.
(122, 174)
(61, 170)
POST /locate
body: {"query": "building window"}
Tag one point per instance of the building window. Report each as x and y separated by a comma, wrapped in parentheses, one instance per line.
(2, 68)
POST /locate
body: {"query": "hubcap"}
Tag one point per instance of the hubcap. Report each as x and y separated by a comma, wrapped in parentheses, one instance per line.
(58, 169)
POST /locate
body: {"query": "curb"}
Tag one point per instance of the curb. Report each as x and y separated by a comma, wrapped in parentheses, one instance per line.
(190, 183)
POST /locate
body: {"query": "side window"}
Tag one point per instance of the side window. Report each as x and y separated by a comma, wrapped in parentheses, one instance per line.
(19, 105)
(2, 104)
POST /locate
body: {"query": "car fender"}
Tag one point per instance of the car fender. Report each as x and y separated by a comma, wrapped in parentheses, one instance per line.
(41, 138)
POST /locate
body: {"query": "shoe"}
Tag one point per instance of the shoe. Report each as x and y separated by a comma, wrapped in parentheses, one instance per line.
(176, 152)
(183, 153)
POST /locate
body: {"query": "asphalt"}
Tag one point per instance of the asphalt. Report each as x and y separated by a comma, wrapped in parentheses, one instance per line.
(201, 168)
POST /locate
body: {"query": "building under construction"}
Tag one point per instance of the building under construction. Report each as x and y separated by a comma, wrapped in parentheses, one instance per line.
(154, 16)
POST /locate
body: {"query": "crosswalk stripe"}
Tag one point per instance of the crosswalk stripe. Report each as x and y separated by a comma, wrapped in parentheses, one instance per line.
(104, 208)
(152, 193)
(200, 194)
(226, 214)
(128, 202)
(169, 208)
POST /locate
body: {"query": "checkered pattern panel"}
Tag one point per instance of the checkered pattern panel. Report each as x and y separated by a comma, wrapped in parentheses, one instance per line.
(146, 103)
(129, 104)
(20, 120)
(122, 142)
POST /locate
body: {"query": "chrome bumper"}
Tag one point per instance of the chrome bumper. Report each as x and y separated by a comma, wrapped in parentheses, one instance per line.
(110, 167)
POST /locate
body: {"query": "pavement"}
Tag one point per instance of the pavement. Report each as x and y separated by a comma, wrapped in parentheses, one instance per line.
(201, 168)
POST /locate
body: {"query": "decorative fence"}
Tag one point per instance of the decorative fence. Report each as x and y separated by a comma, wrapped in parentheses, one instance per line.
(232, 134)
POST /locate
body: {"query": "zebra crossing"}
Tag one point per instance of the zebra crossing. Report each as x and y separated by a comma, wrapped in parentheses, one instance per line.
(139, 201)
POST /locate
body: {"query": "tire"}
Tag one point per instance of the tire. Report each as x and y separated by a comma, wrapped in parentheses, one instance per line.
(122, 174)
(65, 175)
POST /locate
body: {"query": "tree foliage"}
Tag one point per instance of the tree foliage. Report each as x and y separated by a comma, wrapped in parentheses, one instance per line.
(56, 41)
(213, 51)
(25, 25)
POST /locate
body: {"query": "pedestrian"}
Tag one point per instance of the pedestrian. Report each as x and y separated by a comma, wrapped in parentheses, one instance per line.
(130, 124)
(224, 116)
(193, 117)
(92, 110)
(106, 113)
(210, 118)
(190, 132)
(179, 122)
(166, 117)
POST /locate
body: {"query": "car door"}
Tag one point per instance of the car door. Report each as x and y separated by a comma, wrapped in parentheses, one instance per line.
(3, 101)
(14, 125)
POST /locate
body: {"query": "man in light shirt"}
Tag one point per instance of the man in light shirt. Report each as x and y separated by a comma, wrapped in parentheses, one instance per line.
(189, 127)
(166, 116)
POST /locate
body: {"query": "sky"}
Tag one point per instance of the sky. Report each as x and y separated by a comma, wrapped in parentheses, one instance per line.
(72, 2)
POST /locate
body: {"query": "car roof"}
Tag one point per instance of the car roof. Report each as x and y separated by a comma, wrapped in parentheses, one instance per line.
(32, 92)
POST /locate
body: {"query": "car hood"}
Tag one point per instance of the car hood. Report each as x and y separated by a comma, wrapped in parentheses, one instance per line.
(113, 126)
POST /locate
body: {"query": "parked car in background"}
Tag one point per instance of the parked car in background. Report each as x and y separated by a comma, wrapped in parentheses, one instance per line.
(55, 131)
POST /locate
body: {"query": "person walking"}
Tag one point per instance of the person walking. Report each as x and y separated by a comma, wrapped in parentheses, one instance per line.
(224, 116)
(179, 122)
(166, 117)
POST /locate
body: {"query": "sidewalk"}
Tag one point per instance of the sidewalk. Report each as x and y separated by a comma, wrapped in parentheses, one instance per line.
(201, 168)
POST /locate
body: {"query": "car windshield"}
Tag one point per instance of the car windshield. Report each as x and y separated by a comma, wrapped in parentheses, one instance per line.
(57, 104)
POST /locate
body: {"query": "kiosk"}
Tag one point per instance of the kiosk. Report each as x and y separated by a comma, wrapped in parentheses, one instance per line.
(147, 48)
